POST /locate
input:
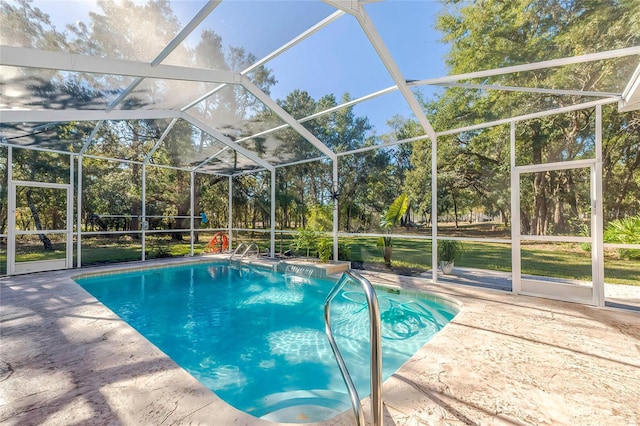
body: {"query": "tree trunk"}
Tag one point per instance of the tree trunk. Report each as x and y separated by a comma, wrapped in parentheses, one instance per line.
(46, 242)
(135, 221)
(538, 226)
(505, 218)
(179, 224)
(559, 225)
(525, 223)
(387, 251)
(254, 218)
(303, 210)
(624, 188)
(558, 218)
(538, 221)
(314, 187)
(455, 208)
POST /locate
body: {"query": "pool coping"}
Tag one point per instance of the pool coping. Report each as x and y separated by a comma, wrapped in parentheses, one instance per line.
(67, 358)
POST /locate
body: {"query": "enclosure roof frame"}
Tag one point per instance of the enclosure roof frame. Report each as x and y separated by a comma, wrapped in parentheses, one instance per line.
(628, 100)
(631, 94)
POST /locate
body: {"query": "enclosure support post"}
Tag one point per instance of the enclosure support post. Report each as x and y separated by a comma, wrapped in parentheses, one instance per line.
(79, 214)
(84, 148)
(143, 225)
(272, 248)
(597, 218)
(230, 213)
(516, 278)
(192, 209)
(434, 210)
(11, 207)
(335, 209)
(69, 233)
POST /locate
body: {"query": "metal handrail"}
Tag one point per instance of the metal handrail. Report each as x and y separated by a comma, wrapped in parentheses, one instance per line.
(246, 250)
(237, 250)
(376, 348)
(249, 248)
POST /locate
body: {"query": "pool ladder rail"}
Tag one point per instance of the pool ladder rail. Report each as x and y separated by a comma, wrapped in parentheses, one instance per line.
(247, 248)
(375, 337)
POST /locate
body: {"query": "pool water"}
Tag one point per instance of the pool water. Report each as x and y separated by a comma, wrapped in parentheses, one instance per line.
(256, 338)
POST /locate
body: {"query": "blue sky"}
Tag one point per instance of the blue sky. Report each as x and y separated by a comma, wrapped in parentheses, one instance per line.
(337, 59)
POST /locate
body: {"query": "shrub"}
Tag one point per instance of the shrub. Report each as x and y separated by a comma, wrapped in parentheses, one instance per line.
(624, 231)
(305, 239)
(325, 247)
(320, 218)
(585, 232)
(344, 251)
(160, 248)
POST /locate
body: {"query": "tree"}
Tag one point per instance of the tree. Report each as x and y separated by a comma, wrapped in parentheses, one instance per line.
(25, 26)
(364, 185)
(139, 31)
(496, 34)
(621, 164)
(303, 184)
(40, 167)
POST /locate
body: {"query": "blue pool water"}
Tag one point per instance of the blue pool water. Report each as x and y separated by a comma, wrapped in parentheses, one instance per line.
(257, 339)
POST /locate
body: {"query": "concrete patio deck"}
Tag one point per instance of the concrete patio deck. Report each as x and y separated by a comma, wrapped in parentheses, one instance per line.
(504, 359)
(616, 295)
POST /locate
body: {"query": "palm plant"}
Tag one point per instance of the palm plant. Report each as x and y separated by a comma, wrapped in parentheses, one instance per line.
(390, 218)
(624, 231)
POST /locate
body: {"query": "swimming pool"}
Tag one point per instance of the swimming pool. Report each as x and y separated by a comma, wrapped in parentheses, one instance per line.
(256, 338)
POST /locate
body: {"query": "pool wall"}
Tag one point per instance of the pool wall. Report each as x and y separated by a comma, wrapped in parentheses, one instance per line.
(247, 333)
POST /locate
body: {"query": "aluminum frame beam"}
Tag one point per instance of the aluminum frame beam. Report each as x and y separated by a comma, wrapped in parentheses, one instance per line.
(278, 110)
(203, 163)
(357, 10)
(272, 55)
(183, 34)
(60, 61)
(610, 54)
(147, 157)
(531, 116)
(91, 137)
(225, 140)
(485, 125)
(51, 115)
(532, 90)
(324, 112)
(631, 94)
(452, 81)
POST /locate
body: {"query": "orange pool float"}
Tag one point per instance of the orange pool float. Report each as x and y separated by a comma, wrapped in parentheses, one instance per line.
(219, 243)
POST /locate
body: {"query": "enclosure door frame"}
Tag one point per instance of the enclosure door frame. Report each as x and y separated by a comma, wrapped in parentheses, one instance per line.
(596, 238)
(548, 287)
(15, 268)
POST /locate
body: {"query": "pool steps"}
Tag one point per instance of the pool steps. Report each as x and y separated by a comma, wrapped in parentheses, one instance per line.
(241, 252)
(302, 406)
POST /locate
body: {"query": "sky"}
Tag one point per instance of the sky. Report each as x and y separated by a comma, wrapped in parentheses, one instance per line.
(337, 59)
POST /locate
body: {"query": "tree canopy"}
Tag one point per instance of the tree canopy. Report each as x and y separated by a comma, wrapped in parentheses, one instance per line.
(473, 166)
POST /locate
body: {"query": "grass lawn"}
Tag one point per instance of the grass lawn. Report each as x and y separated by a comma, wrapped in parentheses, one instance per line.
(555, 260)
(552, 260)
